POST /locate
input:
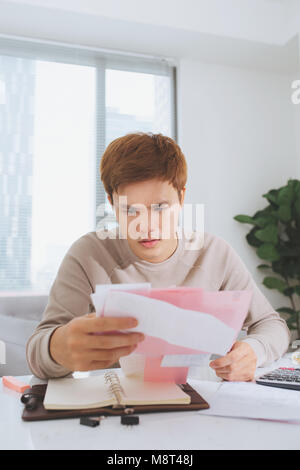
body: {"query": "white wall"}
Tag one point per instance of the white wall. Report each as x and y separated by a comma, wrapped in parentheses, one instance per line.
(294, 28)
(236, 129)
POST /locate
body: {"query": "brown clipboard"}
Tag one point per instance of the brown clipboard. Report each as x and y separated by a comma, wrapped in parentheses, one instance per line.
(34, 409)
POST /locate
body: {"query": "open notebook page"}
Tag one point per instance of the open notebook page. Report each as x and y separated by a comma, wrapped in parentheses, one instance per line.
(93, 392)
(74, 394)
(138, 392)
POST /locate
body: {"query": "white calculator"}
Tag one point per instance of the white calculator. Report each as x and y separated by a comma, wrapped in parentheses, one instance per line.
(283, 377)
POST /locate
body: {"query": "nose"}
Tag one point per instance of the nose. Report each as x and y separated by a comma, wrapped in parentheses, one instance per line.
(149, 226)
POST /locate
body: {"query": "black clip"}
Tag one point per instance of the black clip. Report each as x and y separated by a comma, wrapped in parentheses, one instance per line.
(91, 421)
(33, 396)
(30, 401)
(130, 420)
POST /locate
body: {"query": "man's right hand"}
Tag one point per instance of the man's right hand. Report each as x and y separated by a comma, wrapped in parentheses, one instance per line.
(76, 345)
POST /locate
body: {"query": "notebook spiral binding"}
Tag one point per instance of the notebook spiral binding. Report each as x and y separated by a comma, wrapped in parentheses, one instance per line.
(115, 387)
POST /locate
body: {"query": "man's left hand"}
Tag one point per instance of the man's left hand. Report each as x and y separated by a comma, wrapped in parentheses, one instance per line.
(239, 364)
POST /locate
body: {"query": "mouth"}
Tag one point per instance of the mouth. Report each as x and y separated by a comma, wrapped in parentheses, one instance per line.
(149, 243)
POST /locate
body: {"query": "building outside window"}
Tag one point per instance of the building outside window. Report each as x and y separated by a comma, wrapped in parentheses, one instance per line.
(60, 106)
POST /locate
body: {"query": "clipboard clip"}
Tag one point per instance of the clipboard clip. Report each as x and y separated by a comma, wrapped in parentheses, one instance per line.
(31, 398)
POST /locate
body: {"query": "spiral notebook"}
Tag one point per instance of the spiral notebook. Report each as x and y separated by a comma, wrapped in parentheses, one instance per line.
(34, 409)
(110, 389)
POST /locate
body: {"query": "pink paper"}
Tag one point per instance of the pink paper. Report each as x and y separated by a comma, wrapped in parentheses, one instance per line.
(231, 307)
(154, 373)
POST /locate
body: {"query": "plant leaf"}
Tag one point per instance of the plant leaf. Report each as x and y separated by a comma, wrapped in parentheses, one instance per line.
(296, 186)
(284, 213)
(285, 195)
(268, 251)
(268, 234)
(289, 251)
(289, 291)
(286, 310)
(297, 205)
(297, 290)
(244, 219)
(251, 238)
(271, 196)
(275, 283)
(265, 219)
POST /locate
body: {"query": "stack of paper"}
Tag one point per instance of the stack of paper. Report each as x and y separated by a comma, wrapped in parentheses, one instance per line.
(250, 400)
(183, 325)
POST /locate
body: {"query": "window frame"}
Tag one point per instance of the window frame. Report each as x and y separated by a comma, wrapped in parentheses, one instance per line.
(100, 59)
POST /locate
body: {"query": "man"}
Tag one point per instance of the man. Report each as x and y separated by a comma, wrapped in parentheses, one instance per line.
(144, 176)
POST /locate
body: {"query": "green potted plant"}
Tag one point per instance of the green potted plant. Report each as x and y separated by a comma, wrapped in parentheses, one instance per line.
(276, 237)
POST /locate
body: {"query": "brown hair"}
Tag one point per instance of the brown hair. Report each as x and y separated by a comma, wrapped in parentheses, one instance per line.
(142, 156)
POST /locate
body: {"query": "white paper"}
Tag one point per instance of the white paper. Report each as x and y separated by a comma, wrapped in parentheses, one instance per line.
(99, 296)
(185, 360)
(133, 364)
(251, 400)
(178, 326)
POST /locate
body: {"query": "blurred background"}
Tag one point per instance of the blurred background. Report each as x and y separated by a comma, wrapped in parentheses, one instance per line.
(218, 76)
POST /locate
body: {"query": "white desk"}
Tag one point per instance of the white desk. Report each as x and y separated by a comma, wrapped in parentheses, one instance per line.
(157, 431)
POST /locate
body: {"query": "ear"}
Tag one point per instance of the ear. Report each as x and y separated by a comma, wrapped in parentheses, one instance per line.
(182, 195)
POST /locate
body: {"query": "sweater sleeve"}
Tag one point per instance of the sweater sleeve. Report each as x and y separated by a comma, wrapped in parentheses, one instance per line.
(267, 332)
(69, 297)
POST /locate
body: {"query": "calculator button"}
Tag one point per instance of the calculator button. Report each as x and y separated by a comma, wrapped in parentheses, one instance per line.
(286, 377)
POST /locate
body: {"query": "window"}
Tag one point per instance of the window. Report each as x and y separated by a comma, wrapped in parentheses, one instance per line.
(60, 106)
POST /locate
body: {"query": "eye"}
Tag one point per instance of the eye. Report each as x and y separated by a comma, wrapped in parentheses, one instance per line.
(131, 211)
(160, 207)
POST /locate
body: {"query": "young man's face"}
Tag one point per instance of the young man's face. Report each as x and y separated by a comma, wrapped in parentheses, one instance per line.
(147, 213)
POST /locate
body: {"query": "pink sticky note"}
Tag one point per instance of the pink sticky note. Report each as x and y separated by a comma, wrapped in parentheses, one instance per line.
(15, 384)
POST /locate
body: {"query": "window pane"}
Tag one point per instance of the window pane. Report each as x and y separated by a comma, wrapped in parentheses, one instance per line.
(52, 117)
(136, 102)
(48, 167)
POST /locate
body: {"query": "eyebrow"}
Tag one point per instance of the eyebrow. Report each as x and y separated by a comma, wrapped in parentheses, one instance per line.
(123, 206)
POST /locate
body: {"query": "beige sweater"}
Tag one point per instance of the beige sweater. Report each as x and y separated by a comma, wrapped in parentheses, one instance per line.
(205, 261)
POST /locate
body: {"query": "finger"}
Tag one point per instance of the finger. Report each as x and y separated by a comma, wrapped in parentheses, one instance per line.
(95, 365)
(111, 341)
(113, 354)
(221, 362)
(237, 376)
(241, 371)
(237, 366)
(90, 315)
(99, 324)
(108, 354)
(230, 358)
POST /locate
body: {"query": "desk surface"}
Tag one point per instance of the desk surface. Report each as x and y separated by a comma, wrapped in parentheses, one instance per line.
(182, 430)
